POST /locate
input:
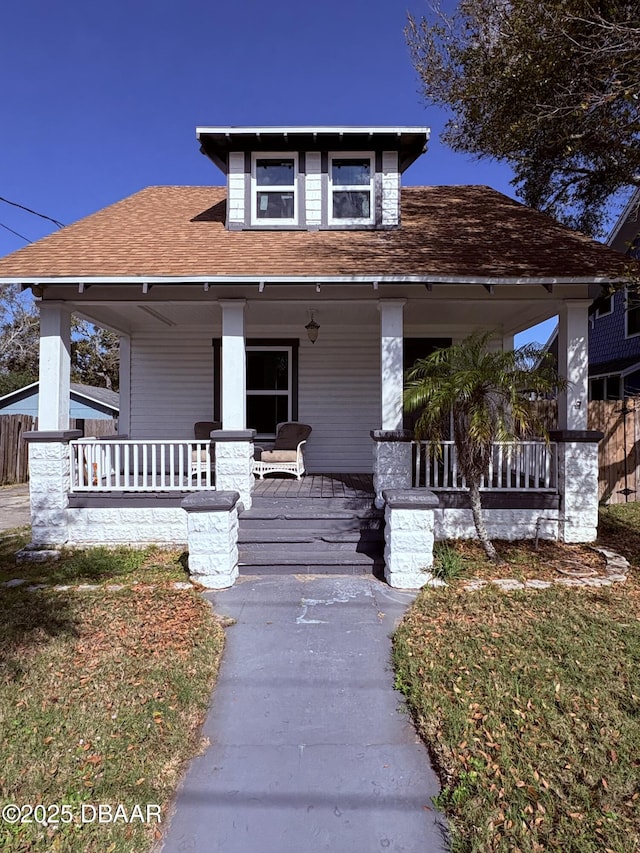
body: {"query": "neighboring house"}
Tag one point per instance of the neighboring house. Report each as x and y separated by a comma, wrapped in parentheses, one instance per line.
(614, 333)
(85, 402)
(218, 293)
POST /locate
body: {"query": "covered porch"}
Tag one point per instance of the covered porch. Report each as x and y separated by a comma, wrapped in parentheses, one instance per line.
(244, 359)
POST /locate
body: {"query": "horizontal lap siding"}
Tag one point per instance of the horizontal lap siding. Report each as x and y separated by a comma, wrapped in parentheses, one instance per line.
(171, 383)
(339, 389)
(340, 398)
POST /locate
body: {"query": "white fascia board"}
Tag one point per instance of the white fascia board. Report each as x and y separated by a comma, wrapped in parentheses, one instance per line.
(292, 279)
(634, 201)
(297, 130)
(18, 391)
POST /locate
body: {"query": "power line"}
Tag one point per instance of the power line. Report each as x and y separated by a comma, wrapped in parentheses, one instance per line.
(34, 212)
(22, 237)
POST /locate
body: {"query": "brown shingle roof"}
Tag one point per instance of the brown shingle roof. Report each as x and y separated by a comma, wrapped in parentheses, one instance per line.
(446, 231)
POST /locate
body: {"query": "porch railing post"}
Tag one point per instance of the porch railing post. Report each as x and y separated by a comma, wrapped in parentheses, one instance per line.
(234, 462)
(49, 483)
(577, 483)
(392, 461)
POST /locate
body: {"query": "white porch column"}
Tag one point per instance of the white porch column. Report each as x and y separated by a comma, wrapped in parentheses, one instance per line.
(234, 378)
(573, 364)
(55, 366)
(391, 366)
(124, 375)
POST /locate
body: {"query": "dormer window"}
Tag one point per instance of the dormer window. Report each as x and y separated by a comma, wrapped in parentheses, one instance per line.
(273, 184)
(351, 191)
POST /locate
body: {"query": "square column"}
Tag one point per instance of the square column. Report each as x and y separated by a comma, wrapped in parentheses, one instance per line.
(573, 364)
(234, 365)
(391, 362)
(55, 366)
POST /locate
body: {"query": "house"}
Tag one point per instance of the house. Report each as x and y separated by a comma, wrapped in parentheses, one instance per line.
(614, 333)
(85, 402)
(301, 290)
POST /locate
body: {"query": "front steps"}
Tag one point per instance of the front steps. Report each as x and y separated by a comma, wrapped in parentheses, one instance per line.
(311, 535)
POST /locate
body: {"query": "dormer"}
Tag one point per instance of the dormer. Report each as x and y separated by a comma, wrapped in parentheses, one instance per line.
(313, 178)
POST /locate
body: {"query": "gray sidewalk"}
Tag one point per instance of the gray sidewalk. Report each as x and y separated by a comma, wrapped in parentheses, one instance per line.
(14, 506)
(311, 749)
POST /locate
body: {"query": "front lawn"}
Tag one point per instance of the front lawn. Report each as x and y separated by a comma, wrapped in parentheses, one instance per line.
(102, 694)
(530, 705)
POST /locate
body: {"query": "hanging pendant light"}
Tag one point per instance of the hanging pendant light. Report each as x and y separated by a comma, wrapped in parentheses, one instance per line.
(312, 329)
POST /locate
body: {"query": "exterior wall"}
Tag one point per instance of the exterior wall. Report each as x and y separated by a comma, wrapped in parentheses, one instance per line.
(312, 185)
(313, 189)
(132, 525)
(390, 189)
(28, 405)
(172, 386)
(171, 382)
(236, 187)
(508, 524)
(607, 336)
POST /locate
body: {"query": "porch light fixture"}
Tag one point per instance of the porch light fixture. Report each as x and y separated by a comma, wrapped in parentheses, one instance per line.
(312, 329)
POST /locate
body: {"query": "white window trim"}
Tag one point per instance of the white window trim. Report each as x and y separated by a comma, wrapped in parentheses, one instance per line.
(606, 377)
(600, 313)
(275, 393)
(255, 189)
(628, 334)
(355, 155)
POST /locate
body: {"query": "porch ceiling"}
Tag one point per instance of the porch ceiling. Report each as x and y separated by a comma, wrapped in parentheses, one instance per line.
(445, 308)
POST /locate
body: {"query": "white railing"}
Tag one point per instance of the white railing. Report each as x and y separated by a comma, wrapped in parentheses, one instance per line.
(116, 465)
(528, 465)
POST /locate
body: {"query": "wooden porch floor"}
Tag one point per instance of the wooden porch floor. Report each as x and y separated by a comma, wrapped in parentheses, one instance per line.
(316, 486)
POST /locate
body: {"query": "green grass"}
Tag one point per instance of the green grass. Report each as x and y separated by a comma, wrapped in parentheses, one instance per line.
(530, 706)
(101, 695)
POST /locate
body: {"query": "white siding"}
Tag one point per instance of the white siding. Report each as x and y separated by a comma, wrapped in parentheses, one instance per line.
(390, 188)
(338, 388)
(171, 383)
(236, 186)
(313, 189)
(339, 396)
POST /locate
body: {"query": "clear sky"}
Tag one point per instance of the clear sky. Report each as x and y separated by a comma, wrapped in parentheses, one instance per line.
(98, 100)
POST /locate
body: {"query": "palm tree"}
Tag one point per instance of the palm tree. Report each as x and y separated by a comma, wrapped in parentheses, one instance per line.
(487, 396)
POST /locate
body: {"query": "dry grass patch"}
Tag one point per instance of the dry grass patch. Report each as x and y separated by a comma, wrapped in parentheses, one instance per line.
(530, 705)
(101, 699)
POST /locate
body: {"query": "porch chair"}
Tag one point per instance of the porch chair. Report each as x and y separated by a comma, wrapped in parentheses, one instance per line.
(287, 456)
(202, 432)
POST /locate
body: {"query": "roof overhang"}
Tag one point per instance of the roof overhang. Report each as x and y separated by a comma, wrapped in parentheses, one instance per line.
(217, 142)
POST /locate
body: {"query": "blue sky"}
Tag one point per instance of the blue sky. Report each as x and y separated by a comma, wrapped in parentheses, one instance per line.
(98, 100)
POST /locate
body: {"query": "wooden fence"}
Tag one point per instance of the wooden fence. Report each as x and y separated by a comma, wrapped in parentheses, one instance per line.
(619, 450)
(14, 458)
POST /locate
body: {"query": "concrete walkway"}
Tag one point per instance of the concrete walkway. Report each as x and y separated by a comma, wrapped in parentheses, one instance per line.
(14, 506)
(311, 748)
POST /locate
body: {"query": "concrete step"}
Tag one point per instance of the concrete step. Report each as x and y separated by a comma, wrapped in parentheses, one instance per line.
(313, 505)
(374, 568)
(295, 557)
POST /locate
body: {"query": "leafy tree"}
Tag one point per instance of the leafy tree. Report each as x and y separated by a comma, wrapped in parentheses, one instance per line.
(488, 396)
(19, 333)
(95, 356)
(552, 88)
(94, 351)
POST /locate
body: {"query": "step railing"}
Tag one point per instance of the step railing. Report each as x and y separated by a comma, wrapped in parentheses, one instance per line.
(514, 465)
(117, 465)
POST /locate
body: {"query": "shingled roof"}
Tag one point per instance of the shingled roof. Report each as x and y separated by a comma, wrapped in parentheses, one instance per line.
(452, 232)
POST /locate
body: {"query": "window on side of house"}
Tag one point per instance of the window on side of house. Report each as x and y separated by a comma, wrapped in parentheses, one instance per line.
(351, 189)
(605, 306)
(269, 388)
(606, 387)
(632, 313)
(273, 189)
